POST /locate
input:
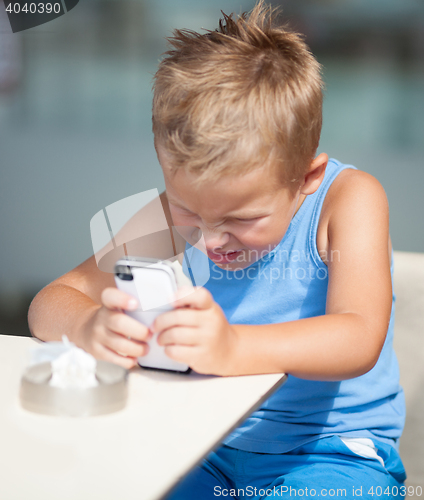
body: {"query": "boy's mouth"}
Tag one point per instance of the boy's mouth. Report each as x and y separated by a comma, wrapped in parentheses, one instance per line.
(223, 258)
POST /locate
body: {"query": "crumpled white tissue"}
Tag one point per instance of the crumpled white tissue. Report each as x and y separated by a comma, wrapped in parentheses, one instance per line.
(181, 279)
(72, 367)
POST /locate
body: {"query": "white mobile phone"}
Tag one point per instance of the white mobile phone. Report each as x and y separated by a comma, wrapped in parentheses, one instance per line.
(152, 282)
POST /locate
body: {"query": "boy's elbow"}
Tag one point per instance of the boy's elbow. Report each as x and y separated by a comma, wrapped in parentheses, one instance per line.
(372, 350)
(361, 367)
(38, 313)
(371, 362)
(32, 316)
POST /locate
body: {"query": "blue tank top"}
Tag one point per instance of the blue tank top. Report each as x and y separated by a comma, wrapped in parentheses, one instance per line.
(287, 284)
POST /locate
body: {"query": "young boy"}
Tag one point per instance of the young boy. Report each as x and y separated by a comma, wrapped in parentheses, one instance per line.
(300, 262)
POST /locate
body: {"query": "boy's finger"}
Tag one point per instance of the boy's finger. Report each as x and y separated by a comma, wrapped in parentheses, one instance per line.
(112, 298)
(199, 298)
(180, 353)
(122, 345)
(179, 335)
(113, 357)
(120, 323)
(176, 317)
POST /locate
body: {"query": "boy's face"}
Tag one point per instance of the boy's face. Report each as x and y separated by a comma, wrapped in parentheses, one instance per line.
(242, 217)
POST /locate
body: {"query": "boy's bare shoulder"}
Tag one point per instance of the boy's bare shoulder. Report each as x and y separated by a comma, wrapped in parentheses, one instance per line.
(351, 186)
(355, 201)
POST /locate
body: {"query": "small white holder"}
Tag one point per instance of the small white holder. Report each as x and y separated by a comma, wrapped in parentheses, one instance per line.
(70, 382)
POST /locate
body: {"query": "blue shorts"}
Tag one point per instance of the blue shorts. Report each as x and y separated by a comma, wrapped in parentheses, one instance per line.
(323, 468)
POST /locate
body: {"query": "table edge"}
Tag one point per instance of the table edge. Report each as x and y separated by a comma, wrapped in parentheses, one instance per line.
(253, 408)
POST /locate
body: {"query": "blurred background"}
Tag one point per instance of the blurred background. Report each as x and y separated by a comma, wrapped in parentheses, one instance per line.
(75, 118)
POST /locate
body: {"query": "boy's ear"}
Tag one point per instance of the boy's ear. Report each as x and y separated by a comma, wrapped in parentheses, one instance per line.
(315, 174)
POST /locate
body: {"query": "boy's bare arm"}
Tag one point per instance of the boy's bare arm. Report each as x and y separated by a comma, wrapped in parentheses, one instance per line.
(85, 301)
(347, 341)
(61, 305)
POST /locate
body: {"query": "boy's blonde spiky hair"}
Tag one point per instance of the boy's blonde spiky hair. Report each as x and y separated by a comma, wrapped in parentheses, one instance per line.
(244, 95)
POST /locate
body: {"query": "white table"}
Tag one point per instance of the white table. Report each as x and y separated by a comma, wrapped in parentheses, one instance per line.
(171, 422)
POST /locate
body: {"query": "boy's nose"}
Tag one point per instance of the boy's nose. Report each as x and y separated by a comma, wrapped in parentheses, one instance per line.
(215, 240)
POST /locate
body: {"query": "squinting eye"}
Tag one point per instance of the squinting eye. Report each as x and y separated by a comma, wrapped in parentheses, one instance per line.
(247, 220)
(183, 210)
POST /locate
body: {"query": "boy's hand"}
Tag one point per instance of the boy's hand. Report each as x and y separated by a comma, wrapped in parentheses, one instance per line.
(109, 334)
(197, 333)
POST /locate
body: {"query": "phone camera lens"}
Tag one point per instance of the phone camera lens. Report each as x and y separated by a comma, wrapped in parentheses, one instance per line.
(125, 277)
